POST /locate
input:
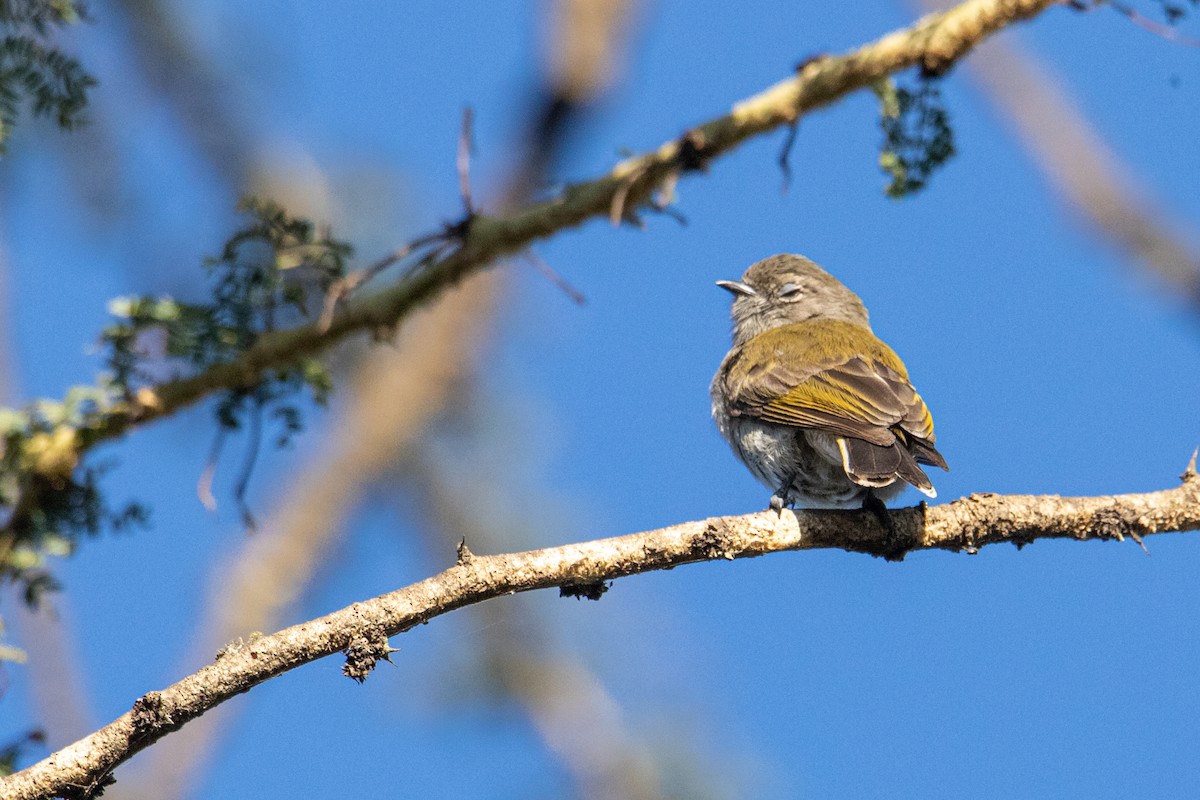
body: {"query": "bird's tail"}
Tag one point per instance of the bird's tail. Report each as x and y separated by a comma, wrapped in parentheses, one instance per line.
(877, 465)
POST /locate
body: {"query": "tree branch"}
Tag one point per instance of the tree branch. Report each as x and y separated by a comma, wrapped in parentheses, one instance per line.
(361, 630)
(934, 43)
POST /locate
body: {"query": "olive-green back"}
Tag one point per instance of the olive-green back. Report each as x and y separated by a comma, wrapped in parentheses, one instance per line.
(829, 375)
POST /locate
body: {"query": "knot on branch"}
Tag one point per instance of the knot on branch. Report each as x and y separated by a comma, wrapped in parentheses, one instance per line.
(693, 155)
(363, 652)
(584, 591)
(458, 232)
(151, 714)
(1108, 524)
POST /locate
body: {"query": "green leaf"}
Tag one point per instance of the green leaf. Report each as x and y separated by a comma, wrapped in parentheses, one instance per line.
(918, 139)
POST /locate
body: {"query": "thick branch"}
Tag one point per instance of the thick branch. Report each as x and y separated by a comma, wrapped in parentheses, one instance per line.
(934, 42)
(362, 630)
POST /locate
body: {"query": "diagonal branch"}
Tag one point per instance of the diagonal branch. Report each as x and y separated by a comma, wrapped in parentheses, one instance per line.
(362, 629)
(933, 43)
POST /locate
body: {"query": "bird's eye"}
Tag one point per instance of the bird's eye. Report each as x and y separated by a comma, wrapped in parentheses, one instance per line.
(789, 291)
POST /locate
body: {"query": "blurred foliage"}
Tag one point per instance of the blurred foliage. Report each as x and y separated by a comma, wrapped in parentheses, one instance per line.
(11, 753)
(917, 138)
(9, 653)
(54, 83)
(274, 273)
(49, 501)
(267, 275)
(1174, 11)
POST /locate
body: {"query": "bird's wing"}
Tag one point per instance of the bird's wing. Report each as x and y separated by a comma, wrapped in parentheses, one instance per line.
(865, 396)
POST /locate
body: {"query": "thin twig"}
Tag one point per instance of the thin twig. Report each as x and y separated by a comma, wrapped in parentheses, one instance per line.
(618, 211)
(345, 286)
(204, 484)
(1153, 26)
(785, 153)
(466, 147)
(549, 273)
(253, 446)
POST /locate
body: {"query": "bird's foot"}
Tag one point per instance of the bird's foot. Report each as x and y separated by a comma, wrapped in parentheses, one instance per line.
(779, 500)
(777, 504)
(894, 546)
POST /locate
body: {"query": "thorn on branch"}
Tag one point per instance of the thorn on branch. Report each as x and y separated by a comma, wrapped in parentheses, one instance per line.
(1189, 473)
(804, 63)
(584, 591)
(464, 553)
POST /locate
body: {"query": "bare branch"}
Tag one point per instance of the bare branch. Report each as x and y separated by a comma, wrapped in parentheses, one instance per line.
(363, 629)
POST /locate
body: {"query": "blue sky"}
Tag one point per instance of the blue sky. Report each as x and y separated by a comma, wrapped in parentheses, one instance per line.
(1051, 365)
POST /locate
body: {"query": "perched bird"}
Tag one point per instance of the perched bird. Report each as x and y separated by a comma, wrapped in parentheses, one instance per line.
(818, 408)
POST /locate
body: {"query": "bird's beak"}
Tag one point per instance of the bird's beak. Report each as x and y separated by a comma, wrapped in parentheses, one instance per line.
(737, 287)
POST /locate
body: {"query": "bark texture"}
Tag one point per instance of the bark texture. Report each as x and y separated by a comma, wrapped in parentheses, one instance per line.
(361, 631)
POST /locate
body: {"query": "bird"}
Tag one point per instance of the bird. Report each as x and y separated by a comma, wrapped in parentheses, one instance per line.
(819, 409)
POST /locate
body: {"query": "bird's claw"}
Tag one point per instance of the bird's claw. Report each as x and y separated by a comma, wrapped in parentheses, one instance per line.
(777, 504)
